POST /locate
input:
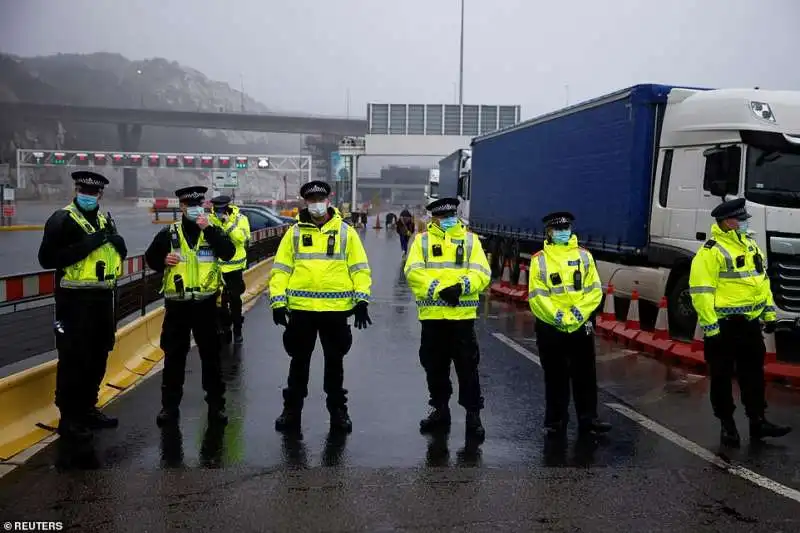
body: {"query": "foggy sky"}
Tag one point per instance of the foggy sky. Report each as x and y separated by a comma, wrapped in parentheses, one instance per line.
(303, 55)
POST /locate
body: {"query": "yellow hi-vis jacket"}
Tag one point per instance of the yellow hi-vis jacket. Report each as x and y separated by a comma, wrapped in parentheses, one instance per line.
(320, 269)
(725, 280)
(433, 264)
(553, 295)
(84, 273)
(238, 229)
(198, 268)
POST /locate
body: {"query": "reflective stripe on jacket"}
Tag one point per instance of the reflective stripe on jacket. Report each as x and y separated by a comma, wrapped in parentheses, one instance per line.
(84, 274)
(428, 272)
(198, 269)
(553, 295)
(320, 269)
(725, 280)
(238, 229)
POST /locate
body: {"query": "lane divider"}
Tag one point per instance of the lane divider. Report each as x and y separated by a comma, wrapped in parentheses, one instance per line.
(27, 410)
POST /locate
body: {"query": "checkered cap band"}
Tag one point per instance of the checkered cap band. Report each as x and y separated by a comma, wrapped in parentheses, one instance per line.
(558, 221)
(444, 208)
(91, 182)
(314, 189)
(191, 196)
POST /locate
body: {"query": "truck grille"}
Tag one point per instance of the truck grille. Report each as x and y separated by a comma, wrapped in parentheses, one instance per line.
(785, 278)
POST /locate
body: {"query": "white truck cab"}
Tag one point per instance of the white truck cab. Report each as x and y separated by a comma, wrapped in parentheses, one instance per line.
(464, 182)
(715, 145)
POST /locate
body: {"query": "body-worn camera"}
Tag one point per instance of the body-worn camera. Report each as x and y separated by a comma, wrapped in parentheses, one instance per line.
(437, 250)
(307, 240)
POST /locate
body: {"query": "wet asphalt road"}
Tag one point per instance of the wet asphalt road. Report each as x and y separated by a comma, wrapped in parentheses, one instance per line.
(19, 249)
(387, 477)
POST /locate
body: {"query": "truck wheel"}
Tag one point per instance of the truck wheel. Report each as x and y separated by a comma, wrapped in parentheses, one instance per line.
(682, 316)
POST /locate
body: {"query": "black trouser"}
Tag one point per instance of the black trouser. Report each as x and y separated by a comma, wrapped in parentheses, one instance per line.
(181, 319)
(443, 342)
(739, 351)
(299, 339)
(85, 334)
(565, 358)
(231, 310)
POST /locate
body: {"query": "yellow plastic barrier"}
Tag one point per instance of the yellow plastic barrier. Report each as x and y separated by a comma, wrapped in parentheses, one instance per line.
(22, 227)
(27, 410)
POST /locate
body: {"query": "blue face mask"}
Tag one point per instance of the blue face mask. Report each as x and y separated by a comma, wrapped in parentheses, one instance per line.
(194, 211)
(744, 225)
(87, 202)
(447, 223)
(561, 236)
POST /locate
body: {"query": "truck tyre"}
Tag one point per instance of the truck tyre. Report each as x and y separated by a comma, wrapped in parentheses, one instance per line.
(682, 316)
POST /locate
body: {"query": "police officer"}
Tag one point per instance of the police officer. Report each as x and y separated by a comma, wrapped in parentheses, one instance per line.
(447, 270)
(236, 226)
(86, 251)
(319, 277)
(731, 292)
(564, 291)
(188, 253)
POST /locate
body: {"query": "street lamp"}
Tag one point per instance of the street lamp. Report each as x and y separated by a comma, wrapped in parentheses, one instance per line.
(461, 62)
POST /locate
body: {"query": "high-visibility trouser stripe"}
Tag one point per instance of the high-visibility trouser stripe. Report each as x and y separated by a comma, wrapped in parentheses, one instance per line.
(358, 267)
(740, 309)
(702, 290)
(73, 284)
(283, 267)
(441, 303)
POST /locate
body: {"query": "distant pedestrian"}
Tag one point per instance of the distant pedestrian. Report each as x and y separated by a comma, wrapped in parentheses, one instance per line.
(405, 229)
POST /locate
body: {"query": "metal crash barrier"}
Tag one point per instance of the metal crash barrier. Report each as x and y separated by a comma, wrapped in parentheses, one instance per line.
(27, 411)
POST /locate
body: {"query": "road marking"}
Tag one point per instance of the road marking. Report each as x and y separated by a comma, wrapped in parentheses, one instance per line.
(674, 438)
(517, 348)
(705, 454)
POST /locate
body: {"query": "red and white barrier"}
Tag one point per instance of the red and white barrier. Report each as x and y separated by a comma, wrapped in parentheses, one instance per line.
(13, 288)
(658, 341)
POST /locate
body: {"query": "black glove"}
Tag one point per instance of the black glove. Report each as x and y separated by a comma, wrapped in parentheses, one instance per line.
(451, 294)
(769, 327)
(118, 243)
(279, 316)
(362, 317)
(95, 240)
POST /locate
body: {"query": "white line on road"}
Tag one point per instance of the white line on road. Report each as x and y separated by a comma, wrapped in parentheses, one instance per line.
(674, 438)
(517, 348)
(706, 455)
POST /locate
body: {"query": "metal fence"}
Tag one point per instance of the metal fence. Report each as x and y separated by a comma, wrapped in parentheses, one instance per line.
(27, 307)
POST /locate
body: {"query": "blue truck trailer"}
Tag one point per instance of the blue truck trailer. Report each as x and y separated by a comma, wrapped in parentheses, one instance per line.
(641, 169)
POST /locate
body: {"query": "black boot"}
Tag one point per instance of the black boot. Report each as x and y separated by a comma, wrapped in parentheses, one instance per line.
(728, 434)
(96, 419)
(168, 417)
(289, 419)
(761, 427)
(474, 426)
(595, 426)
(437, 419)
(555, 430)
(74, 429)
(237, 333)
(340, 420)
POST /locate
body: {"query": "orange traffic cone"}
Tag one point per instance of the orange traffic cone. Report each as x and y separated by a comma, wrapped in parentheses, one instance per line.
(661, 330)
(377, 222)
(632, 321)
(522, 281)
(772, 352)
(505, 279)
(609, 313)
(697, 342)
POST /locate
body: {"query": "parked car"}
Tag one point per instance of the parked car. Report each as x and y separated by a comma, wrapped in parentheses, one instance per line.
(261, 218)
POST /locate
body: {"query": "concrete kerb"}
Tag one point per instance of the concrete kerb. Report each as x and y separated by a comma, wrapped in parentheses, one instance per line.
(28, 414)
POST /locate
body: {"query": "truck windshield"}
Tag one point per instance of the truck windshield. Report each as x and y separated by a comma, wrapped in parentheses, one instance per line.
(773, 177)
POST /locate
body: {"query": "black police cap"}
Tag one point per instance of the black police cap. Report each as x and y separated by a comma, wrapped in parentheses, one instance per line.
(731, 209)
(221, 201)
(87, 178)
(559, 218)
(314, 187)
(443, 206)
(195, 193)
